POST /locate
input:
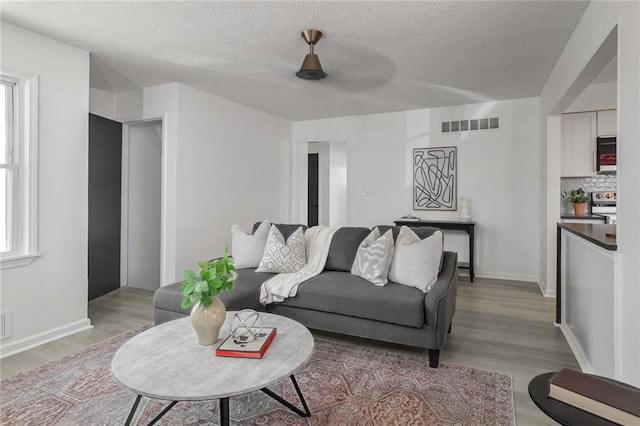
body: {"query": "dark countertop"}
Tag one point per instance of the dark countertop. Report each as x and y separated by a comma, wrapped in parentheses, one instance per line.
(593, 232)
(585, 217)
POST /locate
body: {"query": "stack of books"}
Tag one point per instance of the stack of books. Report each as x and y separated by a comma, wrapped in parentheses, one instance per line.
(612, 401)
(253, 349)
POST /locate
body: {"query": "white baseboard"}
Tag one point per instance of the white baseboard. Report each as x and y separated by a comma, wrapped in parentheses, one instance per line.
(546, 292)
(14, 347)
(502, 276)
(583, 362)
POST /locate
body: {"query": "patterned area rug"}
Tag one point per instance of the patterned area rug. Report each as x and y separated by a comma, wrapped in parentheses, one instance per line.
(344, 384)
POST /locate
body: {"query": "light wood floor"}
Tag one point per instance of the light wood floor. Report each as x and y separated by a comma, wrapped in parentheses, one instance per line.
(501, 326)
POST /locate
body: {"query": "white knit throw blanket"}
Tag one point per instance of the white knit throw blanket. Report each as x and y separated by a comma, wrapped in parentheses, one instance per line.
(317, 242)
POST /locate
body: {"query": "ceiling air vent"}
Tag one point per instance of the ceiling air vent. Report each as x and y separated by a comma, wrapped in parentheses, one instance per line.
(475, 124)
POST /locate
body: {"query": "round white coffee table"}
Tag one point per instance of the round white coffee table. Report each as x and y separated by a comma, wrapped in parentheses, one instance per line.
(167, 362)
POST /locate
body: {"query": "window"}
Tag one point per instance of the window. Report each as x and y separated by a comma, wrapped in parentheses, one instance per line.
(18, 144)
(7, 166)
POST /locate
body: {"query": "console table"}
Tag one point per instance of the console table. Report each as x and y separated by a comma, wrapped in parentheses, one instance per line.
(450, 225)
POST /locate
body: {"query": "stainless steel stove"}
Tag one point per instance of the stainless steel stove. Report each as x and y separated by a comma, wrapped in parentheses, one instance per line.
(604, 203)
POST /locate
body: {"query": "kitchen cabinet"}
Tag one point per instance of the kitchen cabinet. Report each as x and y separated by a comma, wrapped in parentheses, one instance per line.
(579, 132)
(607, 122)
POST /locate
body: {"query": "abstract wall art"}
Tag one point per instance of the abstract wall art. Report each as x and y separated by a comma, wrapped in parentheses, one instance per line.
(434, 178)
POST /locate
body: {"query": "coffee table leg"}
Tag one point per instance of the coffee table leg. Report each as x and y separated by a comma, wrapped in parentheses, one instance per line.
(162, 413)
(305, 413)
(158, 417)
(133, 410)
(224, 411)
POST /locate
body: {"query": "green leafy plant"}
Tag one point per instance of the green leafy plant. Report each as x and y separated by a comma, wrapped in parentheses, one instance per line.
(216, 275)
(576, 196)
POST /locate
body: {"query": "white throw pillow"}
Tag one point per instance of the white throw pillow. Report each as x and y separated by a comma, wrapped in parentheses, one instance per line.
(280, 256)
(247, 249)
(416, 262)
(373, 258)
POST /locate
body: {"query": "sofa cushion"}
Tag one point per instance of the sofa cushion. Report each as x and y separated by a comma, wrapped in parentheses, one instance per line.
(373, 258)
(344, 247)
(285, 229)
(245, 295)
(247, 249)
(421, 231)
(346, 294)
(282, 256)
(416, 262)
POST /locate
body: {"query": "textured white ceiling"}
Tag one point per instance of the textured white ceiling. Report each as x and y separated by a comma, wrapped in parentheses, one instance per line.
(380, 56)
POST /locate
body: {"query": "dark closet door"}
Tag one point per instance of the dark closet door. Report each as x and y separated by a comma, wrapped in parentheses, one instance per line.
(312, 190)
(105, 177)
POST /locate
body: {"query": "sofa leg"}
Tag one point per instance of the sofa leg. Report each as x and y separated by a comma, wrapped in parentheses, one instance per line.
(450, 328)
(434, 357)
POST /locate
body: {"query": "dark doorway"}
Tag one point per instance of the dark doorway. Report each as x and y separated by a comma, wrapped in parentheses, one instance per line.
(312, 190)
(105, 180)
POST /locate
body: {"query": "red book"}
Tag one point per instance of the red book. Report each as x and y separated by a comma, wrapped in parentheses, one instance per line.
(253, 349)
(612, 401)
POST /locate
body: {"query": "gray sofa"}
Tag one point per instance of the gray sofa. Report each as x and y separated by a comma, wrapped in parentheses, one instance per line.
(339, 302)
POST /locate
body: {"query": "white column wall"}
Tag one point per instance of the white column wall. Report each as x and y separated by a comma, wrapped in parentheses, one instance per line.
(598, 21)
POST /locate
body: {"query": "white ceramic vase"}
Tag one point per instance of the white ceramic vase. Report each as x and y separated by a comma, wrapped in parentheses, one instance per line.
(207, 321)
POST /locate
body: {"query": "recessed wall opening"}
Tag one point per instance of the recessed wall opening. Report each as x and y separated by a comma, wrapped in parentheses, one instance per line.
(141, 201)
(326, 189)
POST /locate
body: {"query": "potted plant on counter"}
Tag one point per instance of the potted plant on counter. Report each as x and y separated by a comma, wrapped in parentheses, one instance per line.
(579, 199)
(208, 314)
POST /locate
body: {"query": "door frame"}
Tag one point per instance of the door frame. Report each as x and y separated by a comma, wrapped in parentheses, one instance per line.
(124, 211)
(299, 176)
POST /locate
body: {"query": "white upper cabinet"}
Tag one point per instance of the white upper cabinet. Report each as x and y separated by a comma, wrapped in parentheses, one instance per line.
(579, 132)
(607, 123)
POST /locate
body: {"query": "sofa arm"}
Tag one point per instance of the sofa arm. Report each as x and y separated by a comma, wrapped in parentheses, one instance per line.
(440, 300)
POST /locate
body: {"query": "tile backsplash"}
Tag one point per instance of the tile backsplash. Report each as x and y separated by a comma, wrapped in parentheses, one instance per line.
(589, 184)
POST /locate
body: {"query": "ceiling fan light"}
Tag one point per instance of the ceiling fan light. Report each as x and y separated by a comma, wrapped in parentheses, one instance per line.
(311, 68)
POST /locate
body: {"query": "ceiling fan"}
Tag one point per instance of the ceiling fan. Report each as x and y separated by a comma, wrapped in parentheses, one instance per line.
(311, 68)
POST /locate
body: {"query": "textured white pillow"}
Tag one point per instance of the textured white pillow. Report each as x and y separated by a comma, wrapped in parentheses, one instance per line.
(416, 262)
(247, 249)
(373, 258)
(280, 256)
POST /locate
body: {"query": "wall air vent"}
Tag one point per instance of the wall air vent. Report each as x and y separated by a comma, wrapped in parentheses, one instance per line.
(472, 125)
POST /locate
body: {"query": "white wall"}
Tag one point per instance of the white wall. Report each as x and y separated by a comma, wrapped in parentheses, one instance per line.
(596, 97)
(497, 170)
(49, 297)
(223, 164)
(583, 48)
(102, 103)
(233, 168)
(144, 164)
